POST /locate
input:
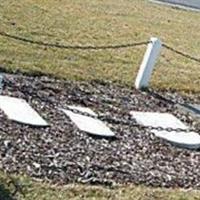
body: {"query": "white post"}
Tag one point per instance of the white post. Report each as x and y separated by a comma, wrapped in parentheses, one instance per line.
(149, 60)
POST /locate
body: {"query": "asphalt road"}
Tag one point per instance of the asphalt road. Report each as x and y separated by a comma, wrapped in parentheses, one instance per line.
(191, 4)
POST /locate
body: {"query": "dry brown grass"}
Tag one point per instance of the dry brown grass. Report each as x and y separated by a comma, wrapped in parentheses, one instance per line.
(98, 23)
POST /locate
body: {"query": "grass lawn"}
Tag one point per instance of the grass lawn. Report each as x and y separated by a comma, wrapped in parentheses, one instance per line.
(99, 22)
(43, 191)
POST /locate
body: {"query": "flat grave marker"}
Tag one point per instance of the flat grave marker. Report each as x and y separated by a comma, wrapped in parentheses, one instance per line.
(88, 124)
(183, 139)
(20, 111)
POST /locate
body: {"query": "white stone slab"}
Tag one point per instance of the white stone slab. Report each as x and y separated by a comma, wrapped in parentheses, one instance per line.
(189, 140)
(88, 124)
(19, 110)
(164, 120)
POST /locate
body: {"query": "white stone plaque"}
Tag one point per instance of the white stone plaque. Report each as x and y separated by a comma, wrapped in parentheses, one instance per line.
(20, 111)
(88, 124)
(189, 140)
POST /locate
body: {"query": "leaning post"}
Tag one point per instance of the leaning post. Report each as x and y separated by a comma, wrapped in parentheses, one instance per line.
(149, 60)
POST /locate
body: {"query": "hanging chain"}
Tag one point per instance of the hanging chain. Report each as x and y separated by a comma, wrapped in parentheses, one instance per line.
(75, 47)
(130, 123)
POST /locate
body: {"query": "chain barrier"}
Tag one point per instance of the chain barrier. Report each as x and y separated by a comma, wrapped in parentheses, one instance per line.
(76, 47)
(162, 98)
(90, 47)
(113, 120)
(181, 53)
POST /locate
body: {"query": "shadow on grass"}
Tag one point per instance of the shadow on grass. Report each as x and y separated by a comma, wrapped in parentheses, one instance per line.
(5, 193)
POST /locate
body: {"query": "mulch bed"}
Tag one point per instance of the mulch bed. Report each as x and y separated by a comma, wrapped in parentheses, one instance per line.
(62, 154)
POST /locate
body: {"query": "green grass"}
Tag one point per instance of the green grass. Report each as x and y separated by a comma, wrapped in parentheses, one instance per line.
(43, 191)
(99, 23)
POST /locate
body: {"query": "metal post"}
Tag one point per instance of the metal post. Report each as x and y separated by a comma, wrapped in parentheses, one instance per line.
(149, 60)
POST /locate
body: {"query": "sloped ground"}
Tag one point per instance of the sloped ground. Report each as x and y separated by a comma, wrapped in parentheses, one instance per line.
(96, 23)
(63, 154)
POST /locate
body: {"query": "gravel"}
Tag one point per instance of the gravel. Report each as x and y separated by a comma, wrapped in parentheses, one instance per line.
(62, 154)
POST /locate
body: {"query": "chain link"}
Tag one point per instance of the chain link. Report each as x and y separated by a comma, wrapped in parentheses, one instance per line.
(181, 53)
(113, 120)
(75, 47)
